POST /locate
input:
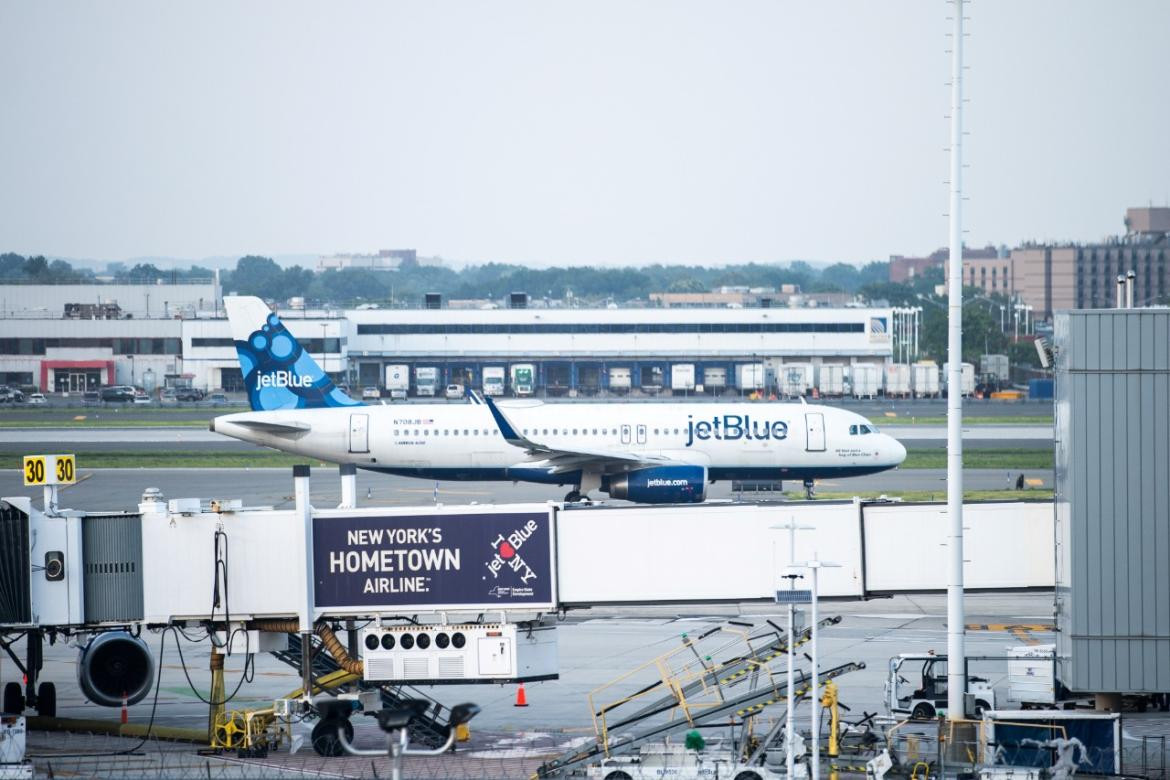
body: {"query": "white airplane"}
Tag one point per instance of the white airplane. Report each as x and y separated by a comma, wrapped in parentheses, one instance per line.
(644, 452)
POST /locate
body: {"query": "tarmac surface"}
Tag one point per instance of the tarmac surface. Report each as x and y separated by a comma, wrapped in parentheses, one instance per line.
(596, 646)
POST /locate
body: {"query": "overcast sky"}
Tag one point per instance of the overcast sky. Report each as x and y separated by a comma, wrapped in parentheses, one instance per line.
(571, 132)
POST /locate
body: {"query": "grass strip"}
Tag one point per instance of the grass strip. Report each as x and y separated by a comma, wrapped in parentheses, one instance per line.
(103, 422)
(979, 458)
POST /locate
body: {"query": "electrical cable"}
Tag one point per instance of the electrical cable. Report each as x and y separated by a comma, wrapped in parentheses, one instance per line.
(249, 662)
(220, 564)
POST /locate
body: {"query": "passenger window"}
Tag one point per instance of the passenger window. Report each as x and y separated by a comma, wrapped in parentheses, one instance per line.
(476, 431)
(594, 431)
(395, 431)
(655, 431)
(574, 431)
(464, 431)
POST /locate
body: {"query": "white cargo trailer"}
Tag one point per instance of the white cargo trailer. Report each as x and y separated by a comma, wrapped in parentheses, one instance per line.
(795, 379)
(968, 385)
(997, 365)
(924, 379)
(619, 379)
(749, 376)
(831, 382)
(426, 381)
(715, 379)
(897, 380)
(682, 377)
(866, 379)
(493, 380)
(397, 381)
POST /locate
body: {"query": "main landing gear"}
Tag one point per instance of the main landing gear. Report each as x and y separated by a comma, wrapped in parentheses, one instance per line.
(808, 488)
(576, 496)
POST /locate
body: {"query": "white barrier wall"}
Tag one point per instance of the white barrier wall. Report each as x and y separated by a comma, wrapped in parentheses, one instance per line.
(705, 552)
(1005, 545)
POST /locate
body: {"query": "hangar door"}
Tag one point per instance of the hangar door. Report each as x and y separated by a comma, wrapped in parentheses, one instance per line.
(814, 424)
(359, 433)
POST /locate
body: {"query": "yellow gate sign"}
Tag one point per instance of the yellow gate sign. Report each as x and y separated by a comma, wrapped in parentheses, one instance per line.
(50, 469)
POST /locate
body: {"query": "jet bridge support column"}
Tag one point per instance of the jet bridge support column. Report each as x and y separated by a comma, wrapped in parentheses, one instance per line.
(305, 617)
(348, 472)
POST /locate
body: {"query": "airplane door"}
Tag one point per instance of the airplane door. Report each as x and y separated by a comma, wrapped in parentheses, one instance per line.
(641, 434)
(814, 425)
(359, 433)
(625, 434)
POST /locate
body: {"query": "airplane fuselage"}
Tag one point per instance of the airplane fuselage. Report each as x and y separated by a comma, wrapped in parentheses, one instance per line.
(462, 442)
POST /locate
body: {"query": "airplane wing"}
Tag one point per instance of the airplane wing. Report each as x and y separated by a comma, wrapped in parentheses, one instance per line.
(560, 459)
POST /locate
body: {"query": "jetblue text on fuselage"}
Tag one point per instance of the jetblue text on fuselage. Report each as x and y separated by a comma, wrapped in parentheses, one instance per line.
(283, 379)
(730, 427)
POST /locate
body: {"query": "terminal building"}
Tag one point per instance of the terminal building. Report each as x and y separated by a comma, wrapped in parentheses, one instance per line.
(59, 347)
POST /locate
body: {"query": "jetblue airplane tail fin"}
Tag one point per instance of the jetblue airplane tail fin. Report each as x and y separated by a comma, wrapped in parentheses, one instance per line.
(278, 372)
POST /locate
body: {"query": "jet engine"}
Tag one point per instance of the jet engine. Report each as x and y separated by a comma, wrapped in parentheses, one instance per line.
(114, 664)
(660, 485)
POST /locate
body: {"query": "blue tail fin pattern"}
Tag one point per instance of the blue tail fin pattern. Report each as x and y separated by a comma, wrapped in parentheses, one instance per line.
(278, 372)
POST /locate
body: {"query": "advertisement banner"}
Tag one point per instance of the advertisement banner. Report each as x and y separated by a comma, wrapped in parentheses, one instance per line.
(484, 560)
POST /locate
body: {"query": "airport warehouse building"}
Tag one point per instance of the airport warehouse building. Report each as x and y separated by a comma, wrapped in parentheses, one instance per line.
(182, 333)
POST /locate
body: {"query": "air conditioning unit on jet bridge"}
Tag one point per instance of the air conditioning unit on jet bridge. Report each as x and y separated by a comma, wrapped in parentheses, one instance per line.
(460, 653)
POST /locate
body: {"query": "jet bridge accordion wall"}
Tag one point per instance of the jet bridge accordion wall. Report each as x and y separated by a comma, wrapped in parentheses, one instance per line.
(112, 555)
(15, 594)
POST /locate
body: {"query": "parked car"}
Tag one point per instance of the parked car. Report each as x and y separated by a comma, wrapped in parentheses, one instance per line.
(371, 394)
(140, 397)
(36, 399)
(188, 394)
(117, 394)
(91, 398)
(217, 399)
(167, 396)
(455, 390)
(10, 395)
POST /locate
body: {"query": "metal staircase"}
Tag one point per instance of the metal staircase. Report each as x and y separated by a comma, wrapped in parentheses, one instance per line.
(702, 690)
(429, 729)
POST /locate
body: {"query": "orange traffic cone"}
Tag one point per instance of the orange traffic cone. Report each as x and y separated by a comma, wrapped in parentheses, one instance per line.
(521, 699)
(125, 710)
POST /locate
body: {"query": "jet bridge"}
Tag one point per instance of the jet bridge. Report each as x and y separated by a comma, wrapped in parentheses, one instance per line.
(481, 584)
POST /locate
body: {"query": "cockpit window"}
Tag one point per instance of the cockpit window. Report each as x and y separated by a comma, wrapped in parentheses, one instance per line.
(862, 430)
(852, 430)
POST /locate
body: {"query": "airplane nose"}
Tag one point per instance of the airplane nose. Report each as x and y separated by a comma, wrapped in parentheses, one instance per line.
(897, 451)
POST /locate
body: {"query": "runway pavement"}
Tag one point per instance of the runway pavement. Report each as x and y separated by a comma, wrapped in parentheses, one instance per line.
(122, 488)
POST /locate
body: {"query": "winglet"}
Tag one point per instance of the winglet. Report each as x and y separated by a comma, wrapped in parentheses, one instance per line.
(509, 432)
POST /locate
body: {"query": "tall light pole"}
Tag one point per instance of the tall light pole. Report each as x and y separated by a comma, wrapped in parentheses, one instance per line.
(791, 597)
(815, 566)
(324, 352)
(956, 638)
